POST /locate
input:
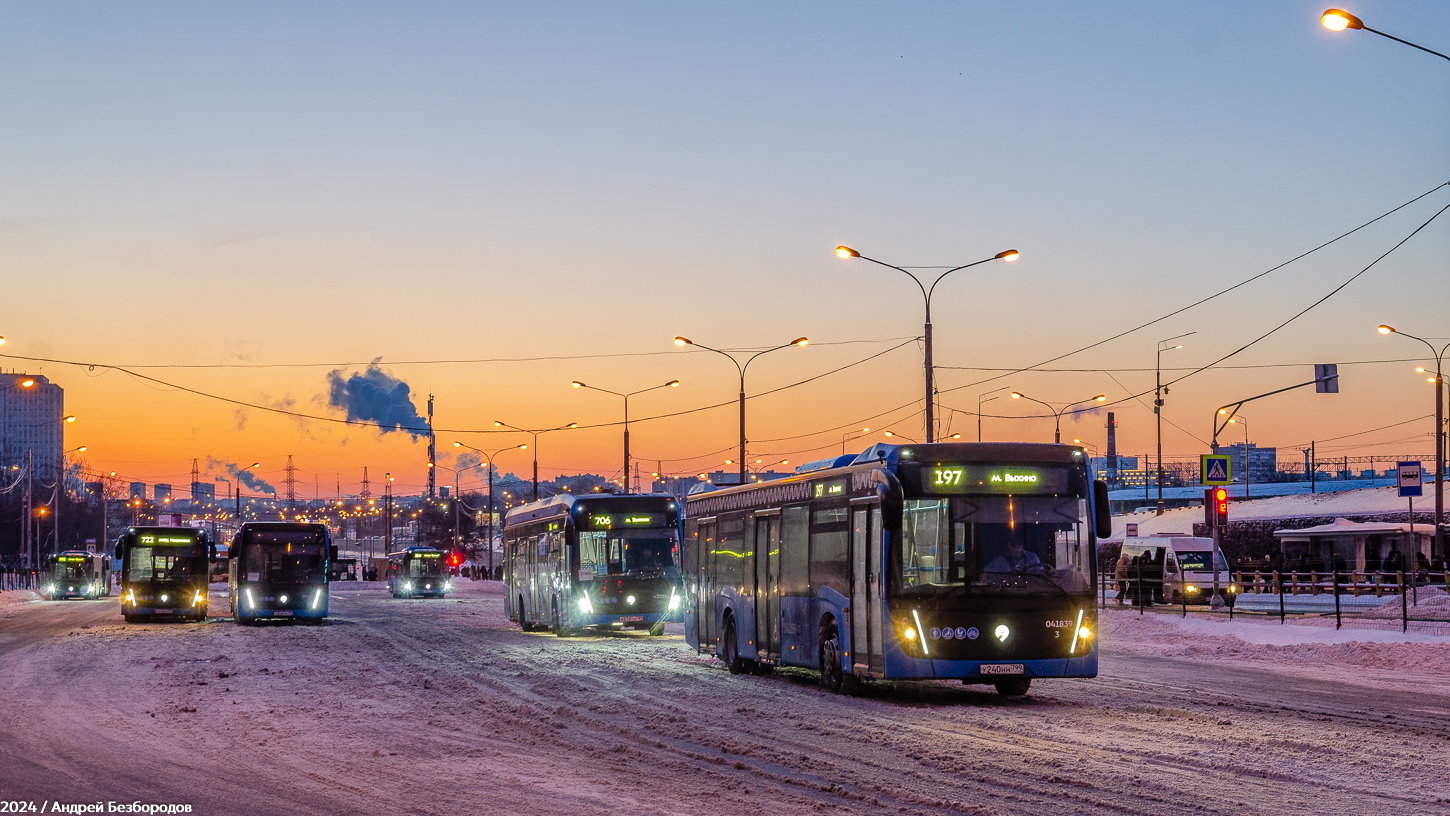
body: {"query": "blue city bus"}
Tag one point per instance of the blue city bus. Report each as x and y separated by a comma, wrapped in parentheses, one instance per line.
(602, 562)
(418, 572)
(969, 561)
(277, 570)
(164, 573)
(78, 574)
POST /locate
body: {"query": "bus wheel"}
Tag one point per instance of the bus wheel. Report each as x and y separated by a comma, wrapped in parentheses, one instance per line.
(832, 677)
(559, 629)
(1016, 687)
(523, 619)
(731, 651)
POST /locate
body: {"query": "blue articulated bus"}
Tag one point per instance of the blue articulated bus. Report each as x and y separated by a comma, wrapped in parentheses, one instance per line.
(601, 562)
(965, 561)
(277, 570)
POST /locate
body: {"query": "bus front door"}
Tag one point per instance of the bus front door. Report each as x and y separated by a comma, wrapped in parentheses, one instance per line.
(866, 649)
(767, 586)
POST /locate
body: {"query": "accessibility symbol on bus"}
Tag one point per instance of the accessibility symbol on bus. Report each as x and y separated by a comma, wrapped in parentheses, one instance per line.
(1213, 469)
(1410, 479)
(972, 633)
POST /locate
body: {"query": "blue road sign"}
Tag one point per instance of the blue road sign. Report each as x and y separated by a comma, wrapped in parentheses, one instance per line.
(1410, 479)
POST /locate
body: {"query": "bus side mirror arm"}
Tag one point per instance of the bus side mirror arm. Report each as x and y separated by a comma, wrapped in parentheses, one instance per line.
(1102, 513)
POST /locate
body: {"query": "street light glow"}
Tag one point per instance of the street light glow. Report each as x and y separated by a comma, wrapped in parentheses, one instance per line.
(1386, 329)
(846, 252)
(1008, 255)
(1100, 398)
(577, 384)
(1339, 20)
(27, 383)
(682, 341)
(800, 341)
(1016, 395)
(673, 383)
(70, 418)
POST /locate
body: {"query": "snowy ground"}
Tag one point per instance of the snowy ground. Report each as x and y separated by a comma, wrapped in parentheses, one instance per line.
(445, 707)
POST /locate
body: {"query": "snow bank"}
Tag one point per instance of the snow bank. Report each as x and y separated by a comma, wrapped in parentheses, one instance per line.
(1313, 647)
(18, 596)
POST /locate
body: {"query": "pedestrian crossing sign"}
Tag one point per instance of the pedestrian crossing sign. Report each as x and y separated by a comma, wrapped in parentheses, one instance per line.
(1213, 469)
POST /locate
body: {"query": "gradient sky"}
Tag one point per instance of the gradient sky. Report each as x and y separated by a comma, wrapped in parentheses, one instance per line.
(267, 183)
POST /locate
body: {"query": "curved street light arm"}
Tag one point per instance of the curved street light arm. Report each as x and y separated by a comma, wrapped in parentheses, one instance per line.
(943, 275)
(925, 298)
(760, 354)
(1406, 42)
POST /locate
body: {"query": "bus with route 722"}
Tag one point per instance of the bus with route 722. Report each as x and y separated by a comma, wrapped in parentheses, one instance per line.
(164, 572)
(966, 561)
(602, 562)
(278, 571)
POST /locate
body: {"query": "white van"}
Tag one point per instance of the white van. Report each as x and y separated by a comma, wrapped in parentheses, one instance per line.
(1187, 576)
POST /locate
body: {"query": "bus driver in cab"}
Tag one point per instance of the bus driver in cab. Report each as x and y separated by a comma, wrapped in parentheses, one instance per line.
(1014, 559)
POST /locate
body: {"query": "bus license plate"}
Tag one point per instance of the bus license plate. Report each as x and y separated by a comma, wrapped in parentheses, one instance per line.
(1002, 668)
(284, 613)
(632, 618)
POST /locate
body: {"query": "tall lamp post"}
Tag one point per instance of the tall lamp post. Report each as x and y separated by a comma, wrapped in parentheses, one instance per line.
(488, 461)
(1008, 255)
(849, 435)
(980, 402)
(670, 384)
(685, 341)
(1056, 414)
(1158, 392)
(1439, 382)
(1240, 419)
(536, 446)
(60, 494)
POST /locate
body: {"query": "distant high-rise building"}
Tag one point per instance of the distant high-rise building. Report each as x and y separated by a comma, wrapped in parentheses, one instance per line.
(203, 492)
(32, 425)
(1262, 463)
(162, 492)
(138, 490)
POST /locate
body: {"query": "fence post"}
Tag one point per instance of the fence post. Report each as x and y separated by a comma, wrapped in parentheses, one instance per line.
(1280, 576)
(1338, 622)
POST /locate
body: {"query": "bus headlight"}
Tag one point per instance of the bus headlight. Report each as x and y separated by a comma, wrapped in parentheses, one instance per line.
(1232, 588)
(50, 589)
(164, 597)
(1002, 632)
(585, 606)
(280, 598)
(407, 586)
(674, 601)
(629, 600)
(1190, 588)
(199, 599)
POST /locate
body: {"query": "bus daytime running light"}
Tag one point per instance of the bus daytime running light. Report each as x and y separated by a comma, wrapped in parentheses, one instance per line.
(629, 600)
(1190, 588)
(674, 601)
(921, 640)
(247, 593)
(1002, 632)
(316, 598)
(585, 606)
(163, 598)
(1077, 631)
(199, 599)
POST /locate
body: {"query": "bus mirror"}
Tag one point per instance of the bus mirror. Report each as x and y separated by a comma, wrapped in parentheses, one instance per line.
(211, 552)
(1102, 513)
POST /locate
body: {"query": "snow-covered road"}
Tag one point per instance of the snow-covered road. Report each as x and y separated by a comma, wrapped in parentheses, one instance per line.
(445, 707)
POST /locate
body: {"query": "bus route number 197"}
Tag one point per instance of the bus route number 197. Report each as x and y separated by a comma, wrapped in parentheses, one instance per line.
(949, 477)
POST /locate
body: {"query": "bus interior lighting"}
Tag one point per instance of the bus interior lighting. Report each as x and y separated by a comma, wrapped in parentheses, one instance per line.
(921, 640)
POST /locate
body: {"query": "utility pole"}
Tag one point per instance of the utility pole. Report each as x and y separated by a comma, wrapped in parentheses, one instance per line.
(432, 453)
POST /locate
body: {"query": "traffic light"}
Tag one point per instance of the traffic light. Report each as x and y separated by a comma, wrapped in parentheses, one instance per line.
(1220, 507)
(455, 558)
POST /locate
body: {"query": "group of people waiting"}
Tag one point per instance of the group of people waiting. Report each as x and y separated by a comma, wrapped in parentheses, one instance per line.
(1139, 578)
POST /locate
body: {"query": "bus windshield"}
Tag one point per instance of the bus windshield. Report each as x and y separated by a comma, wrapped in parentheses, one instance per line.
(72, 570)
(993, 544)
(425, 566)
(284, 556)
(164, 564)
(636, 553)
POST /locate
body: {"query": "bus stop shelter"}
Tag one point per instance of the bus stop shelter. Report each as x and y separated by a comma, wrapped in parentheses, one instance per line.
(1358, 546)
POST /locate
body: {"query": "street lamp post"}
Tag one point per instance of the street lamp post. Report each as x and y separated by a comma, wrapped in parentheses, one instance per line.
(488, 460)
(670, 384)
(980, 402)
(1439, 382)
(60, 494)
(1056, 414)
(1158, 392)
(1006, 255)
(1239, 419)
(685, 341)
(535, 434)
(849, 435)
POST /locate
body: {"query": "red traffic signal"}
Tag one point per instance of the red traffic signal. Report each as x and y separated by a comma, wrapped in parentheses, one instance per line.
(455, 558)
(1220, 506)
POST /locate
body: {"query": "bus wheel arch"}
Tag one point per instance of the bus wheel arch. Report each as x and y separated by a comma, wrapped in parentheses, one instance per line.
(730, 646)
(829, 658)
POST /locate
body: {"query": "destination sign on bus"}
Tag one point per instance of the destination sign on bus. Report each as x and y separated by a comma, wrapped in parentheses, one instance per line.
(825, 490)
(153, 540)
(428, 555)
(1013, 479)
(601, 521)
(72, 558)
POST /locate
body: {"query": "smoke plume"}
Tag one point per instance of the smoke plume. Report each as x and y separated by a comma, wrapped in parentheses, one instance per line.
(242, 475)
(375, 396)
